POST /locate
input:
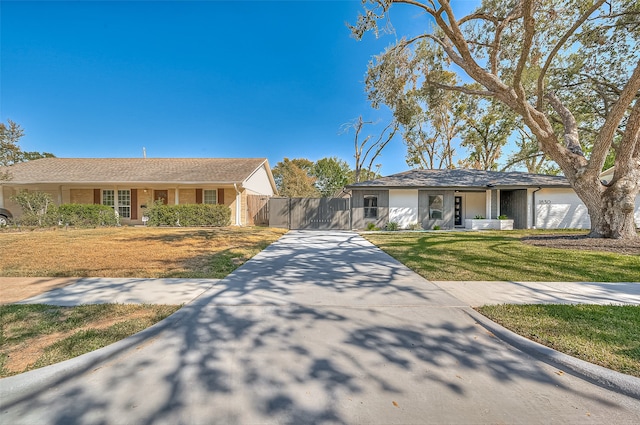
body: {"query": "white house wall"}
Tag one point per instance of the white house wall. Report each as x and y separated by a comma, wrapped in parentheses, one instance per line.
(560, 209)
(258, 183)
(403, 207)
(563, 209)
(473, 204)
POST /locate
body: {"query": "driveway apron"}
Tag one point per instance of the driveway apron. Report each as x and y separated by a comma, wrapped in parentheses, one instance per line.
(323, 327)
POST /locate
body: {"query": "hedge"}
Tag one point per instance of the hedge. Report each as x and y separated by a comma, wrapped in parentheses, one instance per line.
(86, 215)
(188, 215)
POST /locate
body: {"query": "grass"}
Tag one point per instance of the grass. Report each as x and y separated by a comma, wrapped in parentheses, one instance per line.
(131, 251)
(605, 335)
(482, 256)
(33, 336)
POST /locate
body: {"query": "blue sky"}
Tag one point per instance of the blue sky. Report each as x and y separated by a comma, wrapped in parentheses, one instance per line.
(191, 78)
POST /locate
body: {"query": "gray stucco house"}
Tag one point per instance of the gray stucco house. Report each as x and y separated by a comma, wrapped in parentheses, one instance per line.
(449, 198)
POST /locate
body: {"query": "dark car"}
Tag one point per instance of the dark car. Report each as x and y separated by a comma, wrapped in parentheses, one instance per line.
(5, 216)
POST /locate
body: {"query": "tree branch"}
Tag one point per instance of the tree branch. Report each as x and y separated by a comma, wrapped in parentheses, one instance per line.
(557, 48)
(616, 114)
(529, 30)
(571, 137)
(629, 143)
(497, 41)
(462, 89)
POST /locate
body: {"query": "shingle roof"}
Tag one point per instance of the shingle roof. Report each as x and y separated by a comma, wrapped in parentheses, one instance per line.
(461, 179)
(134, 170)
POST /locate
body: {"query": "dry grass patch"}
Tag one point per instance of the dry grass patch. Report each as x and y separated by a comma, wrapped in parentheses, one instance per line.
(132, 251)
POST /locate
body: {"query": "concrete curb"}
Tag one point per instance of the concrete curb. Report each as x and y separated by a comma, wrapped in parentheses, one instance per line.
(601, 376)
(15, 389)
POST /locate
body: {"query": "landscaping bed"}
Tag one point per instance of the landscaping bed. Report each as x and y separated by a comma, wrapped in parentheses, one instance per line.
(582, 241)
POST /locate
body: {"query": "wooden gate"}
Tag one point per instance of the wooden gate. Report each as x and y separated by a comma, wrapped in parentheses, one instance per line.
(310, 213)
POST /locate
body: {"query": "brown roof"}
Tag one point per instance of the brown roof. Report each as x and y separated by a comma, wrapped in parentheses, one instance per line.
(134, 170)
(462, 178)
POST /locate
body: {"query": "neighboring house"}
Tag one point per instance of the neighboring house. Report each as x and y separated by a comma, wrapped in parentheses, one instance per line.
(129, 185)
(446, 198)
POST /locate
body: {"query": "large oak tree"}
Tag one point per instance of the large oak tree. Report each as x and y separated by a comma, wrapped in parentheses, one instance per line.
(570, 69)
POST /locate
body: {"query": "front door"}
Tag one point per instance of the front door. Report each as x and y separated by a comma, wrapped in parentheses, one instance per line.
(458, 211)
(161, 195)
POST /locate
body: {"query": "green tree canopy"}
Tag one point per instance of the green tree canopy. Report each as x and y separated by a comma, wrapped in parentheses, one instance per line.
(10, 151)
(293, 179)
(332, 174)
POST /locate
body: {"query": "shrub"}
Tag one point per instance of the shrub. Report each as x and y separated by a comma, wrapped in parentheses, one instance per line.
(87, 215)
(188, 215)
(38, 208)
(371, 227)
(503, 217)
(392, 226)
(436, 227)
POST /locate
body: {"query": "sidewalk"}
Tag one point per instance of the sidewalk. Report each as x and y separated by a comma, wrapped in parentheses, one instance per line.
(477, 294)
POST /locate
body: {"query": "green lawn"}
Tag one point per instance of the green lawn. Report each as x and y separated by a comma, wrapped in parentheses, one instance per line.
(502, 256)
(37, 335)
(605, 335)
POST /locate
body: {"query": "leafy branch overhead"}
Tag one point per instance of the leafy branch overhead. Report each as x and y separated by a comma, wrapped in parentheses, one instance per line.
(568, 70)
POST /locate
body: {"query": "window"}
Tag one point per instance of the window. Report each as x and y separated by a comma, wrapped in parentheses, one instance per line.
(108, 198)
(210, 196)
(370, 206)
(124, 201)
(436, 205)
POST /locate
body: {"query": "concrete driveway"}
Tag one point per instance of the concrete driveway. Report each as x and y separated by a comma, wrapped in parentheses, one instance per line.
(318, 328)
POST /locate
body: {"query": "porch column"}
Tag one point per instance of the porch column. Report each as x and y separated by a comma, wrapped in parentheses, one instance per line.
(238, 205)
(115, 202)
(177, 196)
(487, 203)
(1, 196)
(498, 212)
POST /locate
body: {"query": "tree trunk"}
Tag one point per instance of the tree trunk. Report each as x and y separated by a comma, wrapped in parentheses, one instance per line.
(611, 209)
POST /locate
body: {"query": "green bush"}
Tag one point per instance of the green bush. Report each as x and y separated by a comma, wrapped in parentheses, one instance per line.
(372, 227)
(38, 209)
(392, 226)
(188, 215)
(87, 215)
